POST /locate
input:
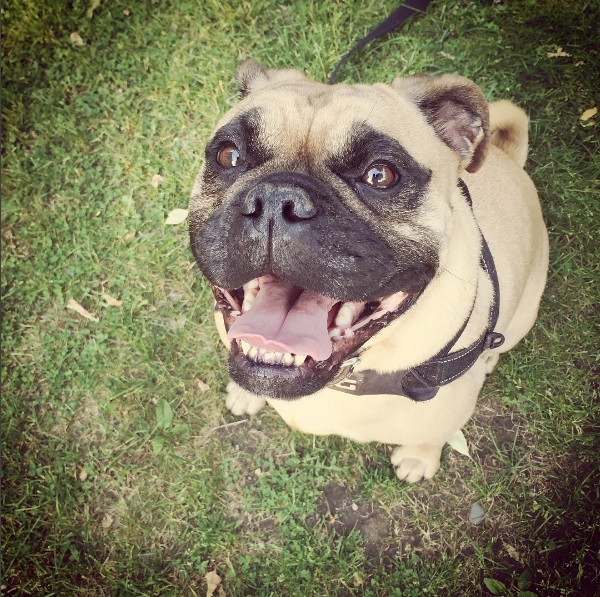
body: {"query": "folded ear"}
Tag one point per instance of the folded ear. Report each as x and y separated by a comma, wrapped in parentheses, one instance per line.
(252, 76)
(457, 110)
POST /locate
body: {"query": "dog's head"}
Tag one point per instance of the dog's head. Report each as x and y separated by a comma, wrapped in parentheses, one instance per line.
(322, 211)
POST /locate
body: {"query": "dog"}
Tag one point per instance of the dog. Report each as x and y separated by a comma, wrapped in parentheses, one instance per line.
(372, 250)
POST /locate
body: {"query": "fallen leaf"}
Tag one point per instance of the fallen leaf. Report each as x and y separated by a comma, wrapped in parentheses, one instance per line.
(126, 12)
(130, 235)
(156, 180)
(476, 514)
(111, 301)
(202, 385)
(213, 580)
(560, 53)
(83, 475)
(589, 114)
(177, 216)
(107, 521)
(75, 306)
(458, 442)
(512, 552)
(76, 38)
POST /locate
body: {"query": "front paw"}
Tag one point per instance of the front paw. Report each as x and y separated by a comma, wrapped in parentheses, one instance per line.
(414, 463)
(240, 402)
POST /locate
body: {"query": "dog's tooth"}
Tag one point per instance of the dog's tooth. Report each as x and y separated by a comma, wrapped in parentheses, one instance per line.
(344, 316)
(251, 285)
(299, 359)
(270, 357)
(248, 301)
(288, 359)
(245, 347)
(335, 333)
(347, 314)
(253, 353)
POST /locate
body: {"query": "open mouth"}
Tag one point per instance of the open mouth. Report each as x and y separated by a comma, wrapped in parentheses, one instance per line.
(287, 341)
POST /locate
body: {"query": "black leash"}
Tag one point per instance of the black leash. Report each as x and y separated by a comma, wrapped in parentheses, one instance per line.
(395, 20)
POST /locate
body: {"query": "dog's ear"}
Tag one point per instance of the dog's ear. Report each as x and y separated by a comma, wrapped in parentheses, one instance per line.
(252, 76)
(457, 110)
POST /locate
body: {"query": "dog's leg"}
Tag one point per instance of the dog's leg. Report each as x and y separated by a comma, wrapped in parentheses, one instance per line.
(240, 402)
(414, 463)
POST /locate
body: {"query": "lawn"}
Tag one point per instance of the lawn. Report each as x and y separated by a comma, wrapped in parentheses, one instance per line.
(122, 471)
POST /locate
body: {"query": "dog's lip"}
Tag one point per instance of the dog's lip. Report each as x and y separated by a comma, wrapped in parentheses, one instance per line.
(230, 304)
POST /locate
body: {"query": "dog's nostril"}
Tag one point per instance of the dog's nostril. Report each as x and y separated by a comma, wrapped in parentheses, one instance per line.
(251, 206)
(294, 211)
(300, 208)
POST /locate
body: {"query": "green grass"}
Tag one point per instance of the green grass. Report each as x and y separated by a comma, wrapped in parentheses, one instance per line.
(122, 472)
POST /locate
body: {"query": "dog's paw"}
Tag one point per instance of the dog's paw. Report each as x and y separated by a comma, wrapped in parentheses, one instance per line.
(413, 463)
(240, 402)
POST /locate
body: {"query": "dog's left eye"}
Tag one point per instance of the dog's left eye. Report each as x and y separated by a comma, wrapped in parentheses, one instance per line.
(229, 156)
(380, 176)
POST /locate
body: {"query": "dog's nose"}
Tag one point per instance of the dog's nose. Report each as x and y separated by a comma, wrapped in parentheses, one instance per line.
(269, 202)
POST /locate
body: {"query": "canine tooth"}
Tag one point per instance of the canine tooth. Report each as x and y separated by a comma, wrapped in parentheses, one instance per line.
(245, 347)
(253, 353)
(299, 359)
(344, 316)
(348, 313)
(335, 333)
(251, 285)
(248, 301)
(288, 359)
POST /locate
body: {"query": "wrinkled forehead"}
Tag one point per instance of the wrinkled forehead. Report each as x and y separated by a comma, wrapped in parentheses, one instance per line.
(320, 119)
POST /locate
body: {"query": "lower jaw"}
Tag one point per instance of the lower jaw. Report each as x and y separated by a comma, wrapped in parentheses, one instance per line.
(275, 381)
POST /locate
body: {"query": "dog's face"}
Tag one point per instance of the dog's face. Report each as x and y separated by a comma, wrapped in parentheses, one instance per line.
(322, 212)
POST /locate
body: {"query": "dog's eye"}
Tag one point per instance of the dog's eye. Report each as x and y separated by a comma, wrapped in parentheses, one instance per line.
(380, 176)
(229, 156)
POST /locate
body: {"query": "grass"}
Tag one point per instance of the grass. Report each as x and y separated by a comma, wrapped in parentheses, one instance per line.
(123, 473)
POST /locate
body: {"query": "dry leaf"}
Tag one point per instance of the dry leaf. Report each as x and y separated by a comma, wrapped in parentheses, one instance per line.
(156, 180)
(76, 38)
(83, 475)
(202, 385)
(75, 306)
(513, 553)
(130, 235)
(558, 54)
(111, 301)
(107, 521)
(177, 216)
(213, 580)
(126, 12)
(589, 114)
(458, 442)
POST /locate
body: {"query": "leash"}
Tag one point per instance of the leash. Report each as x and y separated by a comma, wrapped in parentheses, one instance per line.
(395, 20)
(423, 382)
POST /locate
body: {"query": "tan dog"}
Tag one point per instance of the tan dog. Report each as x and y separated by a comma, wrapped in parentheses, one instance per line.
(350, 269)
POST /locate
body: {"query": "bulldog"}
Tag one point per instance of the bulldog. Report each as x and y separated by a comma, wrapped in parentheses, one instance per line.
(372, 250)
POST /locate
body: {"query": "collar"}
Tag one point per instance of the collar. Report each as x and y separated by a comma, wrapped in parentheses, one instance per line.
(423, 381)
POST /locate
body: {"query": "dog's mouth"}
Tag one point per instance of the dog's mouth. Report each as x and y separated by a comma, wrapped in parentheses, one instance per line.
(288, 342)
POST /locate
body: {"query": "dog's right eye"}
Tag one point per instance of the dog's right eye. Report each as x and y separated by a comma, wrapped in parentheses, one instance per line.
(229, 156)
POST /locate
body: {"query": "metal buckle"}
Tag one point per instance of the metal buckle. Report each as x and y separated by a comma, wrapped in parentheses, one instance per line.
(493, 340)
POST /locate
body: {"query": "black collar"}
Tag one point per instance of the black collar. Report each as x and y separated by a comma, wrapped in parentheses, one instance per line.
(422, 382)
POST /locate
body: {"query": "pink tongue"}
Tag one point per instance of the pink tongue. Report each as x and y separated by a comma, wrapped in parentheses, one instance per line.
(284, 318)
